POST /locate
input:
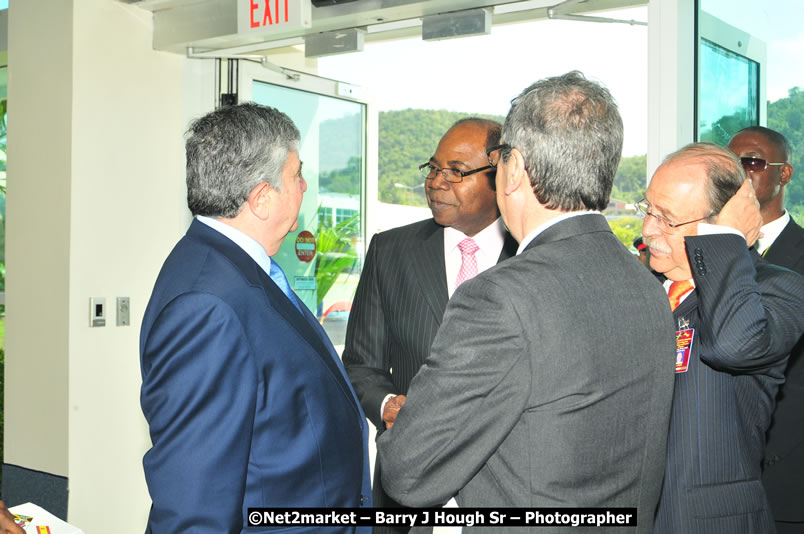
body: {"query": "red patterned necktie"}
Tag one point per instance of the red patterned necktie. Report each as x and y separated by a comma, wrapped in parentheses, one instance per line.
(468, 270)
(677, 290)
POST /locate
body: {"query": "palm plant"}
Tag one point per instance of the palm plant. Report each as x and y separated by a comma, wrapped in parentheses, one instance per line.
(335, 252)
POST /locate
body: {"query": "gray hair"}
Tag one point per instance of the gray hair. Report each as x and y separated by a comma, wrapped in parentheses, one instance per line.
(233, 149)
(724, 171)
(570, 134)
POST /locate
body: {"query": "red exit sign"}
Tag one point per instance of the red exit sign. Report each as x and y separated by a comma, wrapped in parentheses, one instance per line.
(267, 16)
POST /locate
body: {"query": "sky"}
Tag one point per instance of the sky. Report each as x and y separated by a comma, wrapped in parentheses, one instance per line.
(482, 74)
(778, 24)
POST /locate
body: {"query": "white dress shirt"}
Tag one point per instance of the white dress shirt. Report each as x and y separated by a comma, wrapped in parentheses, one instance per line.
(250, 246)
(770, 232)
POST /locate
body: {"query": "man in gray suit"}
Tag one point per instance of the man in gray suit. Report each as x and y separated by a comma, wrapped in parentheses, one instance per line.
(550, 380)
(410, 273)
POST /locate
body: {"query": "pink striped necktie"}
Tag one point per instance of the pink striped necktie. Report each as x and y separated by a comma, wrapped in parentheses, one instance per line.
(468, 247)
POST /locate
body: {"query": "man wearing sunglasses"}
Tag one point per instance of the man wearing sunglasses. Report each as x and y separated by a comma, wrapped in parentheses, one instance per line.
(737, 319)
(765, 155)
(411, 272)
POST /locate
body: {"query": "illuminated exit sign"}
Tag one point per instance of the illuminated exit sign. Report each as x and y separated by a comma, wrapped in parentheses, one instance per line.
(272, 16)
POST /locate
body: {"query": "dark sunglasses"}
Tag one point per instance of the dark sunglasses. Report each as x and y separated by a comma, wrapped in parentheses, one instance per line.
(756, 164)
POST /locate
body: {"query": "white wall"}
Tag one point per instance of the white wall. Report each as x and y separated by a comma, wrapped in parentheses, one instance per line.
(671, 78)
(96, 201)
(37, 237)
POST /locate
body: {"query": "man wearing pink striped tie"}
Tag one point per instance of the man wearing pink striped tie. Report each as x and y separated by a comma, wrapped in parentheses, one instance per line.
(411, 272)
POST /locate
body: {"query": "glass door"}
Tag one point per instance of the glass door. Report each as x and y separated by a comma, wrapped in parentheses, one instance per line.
(323, 258)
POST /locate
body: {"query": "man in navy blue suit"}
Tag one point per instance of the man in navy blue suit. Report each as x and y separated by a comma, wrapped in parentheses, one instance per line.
(737, 318)
(247, 402)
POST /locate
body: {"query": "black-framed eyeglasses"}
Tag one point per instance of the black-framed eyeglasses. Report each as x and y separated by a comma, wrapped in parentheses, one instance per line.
(643, 208)
(494, 153)
(453, 176)
(757, 164)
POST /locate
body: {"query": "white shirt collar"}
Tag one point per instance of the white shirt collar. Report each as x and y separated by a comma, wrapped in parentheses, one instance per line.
(489, 238)
(249, 245)
(545, 225)
(771, 231)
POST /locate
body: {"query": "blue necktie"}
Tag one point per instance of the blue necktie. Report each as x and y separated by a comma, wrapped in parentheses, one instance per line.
(279, 278)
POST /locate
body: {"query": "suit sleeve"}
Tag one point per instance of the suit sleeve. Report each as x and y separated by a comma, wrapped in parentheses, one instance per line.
(462, 403)
(751, 312)
(364, 356)
(198, 395)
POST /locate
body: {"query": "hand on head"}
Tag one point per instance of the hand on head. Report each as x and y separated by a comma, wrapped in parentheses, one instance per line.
(742, 213)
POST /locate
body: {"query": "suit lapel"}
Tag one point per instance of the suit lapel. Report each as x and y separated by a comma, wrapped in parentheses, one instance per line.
(788, 247)
(427, 259)
(683, 315)
(279, 301)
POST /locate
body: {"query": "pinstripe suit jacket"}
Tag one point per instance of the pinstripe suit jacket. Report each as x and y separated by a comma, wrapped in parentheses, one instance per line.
(747, 315)
(397, 310)
(783, 474)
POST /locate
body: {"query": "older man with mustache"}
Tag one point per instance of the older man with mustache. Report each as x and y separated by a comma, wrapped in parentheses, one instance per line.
(737, 319)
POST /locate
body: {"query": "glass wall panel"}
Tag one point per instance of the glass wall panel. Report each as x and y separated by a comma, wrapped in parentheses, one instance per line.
(728, 94)
(727, 81)
(333, 152)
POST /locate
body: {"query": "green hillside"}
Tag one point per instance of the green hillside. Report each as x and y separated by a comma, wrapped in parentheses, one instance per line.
(409, 137)
(340, 139)
(786, 116)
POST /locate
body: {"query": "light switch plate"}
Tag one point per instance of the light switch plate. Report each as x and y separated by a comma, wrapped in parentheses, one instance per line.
(97, 311)
(123, 311)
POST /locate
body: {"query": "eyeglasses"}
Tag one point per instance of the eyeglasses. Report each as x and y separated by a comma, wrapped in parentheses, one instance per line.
(453, 176)
(643, 208)
(494, 159)
(756, 164)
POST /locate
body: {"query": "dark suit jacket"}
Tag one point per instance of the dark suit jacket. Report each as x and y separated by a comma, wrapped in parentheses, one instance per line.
(783, 474)
(247, 403)
(746, 315)
(549, 384)
(397, 310)
(788, 249)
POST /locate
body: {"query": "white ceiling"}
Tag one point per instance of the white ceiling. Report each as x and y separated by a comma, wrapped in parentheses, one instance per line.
(212, 25)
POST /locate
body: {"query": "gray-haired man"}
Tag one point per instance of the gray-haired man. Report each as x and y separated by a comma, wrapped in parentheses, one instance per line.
(549, 381)
(247, 402)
